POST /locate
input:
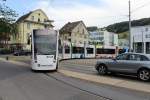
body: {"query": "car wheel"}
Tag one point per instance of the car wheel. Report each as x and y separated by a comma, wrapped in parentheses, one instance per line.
(144, 75)
(102, 69)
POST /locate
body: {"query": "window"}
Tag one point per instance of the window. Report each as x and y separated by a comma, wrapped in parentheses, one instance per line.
(32, 18)
(144, 58)
(146, 29)
(45, 20)
(122, 57)
(76, 50)
(138, 47)
(28, 25)
(148, 47)
(39, 14)
(105, 51)
(28, 39)
(90, 50)
(134, 57)
(147, 35)
(60, 50)
(69, 40)
(67, 50)
(39, 20)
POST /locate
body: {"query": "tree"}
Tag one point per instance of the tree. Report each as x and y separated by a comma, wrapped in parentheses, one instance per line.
(124, 26)
(7, 23)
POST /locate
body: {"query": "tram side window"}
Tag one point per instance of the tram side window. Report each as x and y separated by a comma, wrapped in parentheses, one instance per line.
(105, 51)
(76, 50)
(89, 50)
(67, 50)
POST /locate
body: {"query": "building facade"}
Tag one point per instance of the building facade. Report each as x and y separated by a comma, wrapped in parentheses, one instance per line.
(123, 42)
(106, 43)
(33, 20)
(74, 40)
(103, 39)
(74, 33)
(140, 39)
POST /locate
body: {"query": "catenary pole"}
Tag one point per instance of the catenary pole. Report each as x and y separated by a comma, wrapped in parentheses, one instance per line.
(130, 44)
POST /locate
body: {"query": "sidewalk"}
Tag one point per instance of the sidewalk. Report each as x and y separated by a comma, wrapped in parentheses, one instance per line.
(16, 58)
(137, 86)
(14, 62)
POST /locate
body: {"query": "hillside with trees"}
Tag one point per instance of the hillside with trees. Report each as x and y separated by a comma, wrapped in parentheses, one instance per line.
(124, 26)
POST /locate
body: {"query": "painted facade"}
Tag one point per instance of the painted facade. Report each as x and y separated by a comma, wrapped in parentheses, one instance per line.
(33, 20)
(104, 39)
(140, 39)
(75, 33)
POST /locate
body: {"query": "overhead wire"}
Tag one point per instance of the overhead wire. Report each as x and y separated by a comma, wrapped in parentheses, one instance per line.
(138, 8)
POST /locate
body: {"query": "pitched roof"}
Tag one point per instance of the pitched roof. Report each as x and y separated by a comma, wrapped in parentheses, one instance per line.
(27, 15)
(69, 26)
(23, 17)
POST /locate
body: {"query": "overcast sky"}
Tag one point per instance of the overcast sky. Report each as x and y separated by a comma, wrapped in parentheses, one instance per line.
(93, 12)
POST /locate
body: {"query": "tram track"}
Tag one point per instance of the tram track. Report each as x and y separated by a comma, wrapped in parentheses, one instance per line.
(81, 89)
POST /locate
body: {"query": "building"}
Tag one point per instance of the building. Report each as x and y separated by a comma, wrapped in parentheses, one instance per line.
(105, 42)
(36, 19)
(140, 39)
(75, 33)
(74, 39)
(103, 39)
(123, 42)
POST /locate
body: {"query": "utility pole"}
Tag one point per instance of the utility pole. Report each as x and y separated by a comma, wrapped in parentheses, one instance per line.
(130, 44)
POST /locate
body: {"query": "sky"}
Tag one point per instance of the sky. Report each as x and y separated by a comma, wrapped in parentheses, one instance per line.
(99, 13)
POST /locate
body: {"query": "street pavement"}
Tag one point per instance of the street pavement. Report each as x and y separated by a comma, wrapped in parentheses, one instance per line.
(18, 82)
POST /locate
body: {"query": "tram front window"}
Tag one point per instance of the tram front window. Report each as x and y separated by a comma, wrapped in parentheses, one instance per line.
(45, 45)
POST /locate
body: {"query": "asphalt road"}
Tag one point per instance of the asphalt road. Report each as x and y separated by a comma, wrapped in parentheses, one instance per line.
(20, 83)
(78, 67)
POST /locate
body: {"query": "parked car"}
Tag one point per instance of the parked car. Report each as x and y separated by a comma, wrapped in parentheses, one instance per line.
(22, 52)
(126, 63)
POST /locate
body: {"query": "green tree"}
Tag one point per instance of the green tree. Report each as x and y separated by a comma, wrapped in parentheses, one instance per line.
(7, 23)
